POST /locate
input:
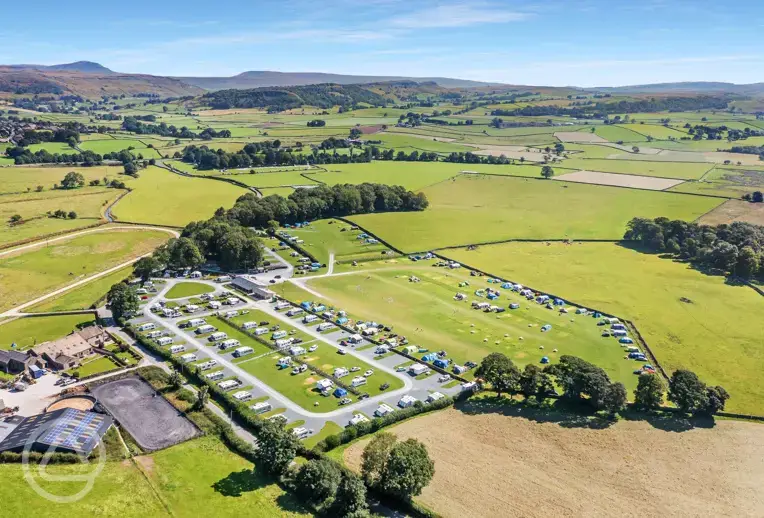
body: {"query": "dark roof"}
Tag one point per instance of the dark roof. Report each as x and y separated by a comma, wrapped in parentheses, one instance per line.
(6, 356)
(67, 429)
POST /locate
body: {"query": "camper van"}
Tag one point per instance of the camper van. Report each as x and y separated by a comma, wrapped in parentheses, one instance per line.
(148, 326)
(229, 384)
(261, 408)
(175, 349)
(196, 322)
(165, 340)
(261, 331)
(242, 395)
(206, 328)
(231, 314)
(187, 358)
(307, 319)
(301, 432)
(154, 334)
(213, 376)
(294, 312)
(283, 342)
(324, 326)
(242, 351)
(358, 381)
(282, 305)
(217, 336)
(249, 325)
(207, 365)
(278, 334)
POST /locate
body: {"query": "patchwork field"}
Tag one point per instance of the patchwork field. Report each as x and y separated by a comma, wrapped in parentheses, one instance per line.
(526, 463)
(680, 170)
(478, 209)
(192, 198)
(619, 180)
(713, 334)
(31, 273)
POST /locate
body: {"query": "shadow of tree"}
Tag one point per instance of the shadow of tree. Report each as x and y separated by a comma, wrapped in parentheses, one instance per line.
(570, 414)
(240, 482)
(288, 502)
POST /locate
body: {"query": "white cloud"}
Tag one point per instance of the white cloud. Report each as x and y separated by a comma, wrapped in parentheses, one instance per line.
(457, 15)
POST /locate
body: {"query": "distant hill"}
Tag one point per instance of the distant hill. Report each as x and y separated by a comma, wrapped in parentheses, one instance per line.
(704, 87)
(265, 78)
(86, 67)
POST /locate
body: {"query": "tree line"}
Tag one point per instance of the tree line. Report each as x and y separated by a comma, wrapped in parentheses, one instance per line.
(736, 248)
(588, 384)
(134, 125)
(286, 98)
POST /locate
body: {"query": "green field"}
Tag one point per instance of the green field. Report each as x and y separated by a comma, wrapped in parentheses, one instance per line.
(616, 133)
(681, 170)
(184, 290)
(716, 334)
(164, 198)
(279, 179)
(84, 296)
(114, 145)
(411, 175)
(426, 313)
(87, 203)
(97, 365)
(32, 273)
(726, 181)
(22, 179)
(326, 236)
(29, 331)
(477, 209)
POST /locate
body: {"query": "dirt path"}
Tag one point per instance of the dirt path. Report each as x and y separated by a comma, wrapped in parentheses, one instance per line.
(490, 464)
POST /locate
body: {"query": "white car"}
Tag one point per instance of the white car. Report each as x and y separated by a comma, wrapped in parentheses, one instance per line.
(355, 369)
(368, 373)
(342, 351)
(312, 348)
(444, 378)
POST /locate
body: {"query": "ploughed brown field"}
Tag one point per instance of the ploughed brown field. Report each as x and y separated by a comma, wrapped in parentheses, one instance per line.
(735, 210)
(494, 464)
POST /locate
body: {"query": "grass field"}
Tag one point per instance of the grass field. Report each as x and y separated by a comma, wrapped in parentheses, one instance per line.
(427, 315)
(21, 179)
(184, 290)
(29, 274)
(616, 133)
(114, 145)
(190, 200)
(84, 296)
(178, 481)
(726, 181)
(26, 332)
(475, 209)
(681, 170)
(326, 236)
(97, 365)
(88, 204)
(714, 335)
(411, 175)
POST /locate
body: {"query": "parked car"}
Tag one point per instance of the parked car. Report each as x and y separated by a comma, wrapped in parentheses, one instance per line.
(345, 401)
(264, 323)
(312, 348)
(355, 369)
(368, 373)
(341, 351)
(401, 369)
(444, 378)
(384, 386)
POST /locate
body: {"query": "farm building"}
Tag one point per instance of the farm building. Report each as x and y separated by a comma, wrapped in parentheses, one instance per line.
(67, 352)
(66, 430)
(14, 362)
(253, 288)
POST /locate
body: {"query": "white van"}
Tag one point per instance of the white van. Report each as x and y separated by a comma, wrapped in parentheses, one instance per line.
(217, 336)
(261, 408)
(165, 340)
(206, 328)
(148, 326)
(188, 358)
(242, 351)
(175, 349)
(212, 376)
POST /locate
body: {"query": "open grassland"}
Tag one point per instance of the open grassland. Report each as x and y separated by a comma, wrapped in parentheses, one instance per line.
(717, 334)
(278, 179)
(164, 198)
(284, 192)
(88, 204)
(411, 175)
(29, 331)
(478, 209)
(617, 133)
(184, 290)
(329, 236)
(23, 179)
(680, 170)
(496, 460)
(52, 148)
(84, 296)
(426, 313)
(178, 481)
(115, 145)
(655, 131)
(418, 142)
(31, 273)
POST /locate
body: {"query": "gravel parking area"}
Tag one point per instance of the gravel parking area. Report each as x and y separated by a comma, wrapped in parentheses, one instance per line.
(152, 421)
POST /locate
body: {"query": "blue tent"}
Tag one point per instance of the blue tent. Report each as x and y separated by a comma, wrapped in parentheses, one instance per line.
(545, 359)
(507, 286)
(342, 320)
(340, 392)
(306, 305)
(430, 357)
(443, 364)
(626, 340)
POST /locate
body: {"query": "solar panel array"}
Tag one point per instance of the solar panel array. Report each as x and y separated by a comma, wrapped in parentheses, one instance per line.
(73, 430)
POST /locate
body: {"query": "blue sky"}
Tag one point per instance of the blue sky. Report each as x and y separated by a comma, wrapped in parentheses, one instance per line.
(557, 42)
